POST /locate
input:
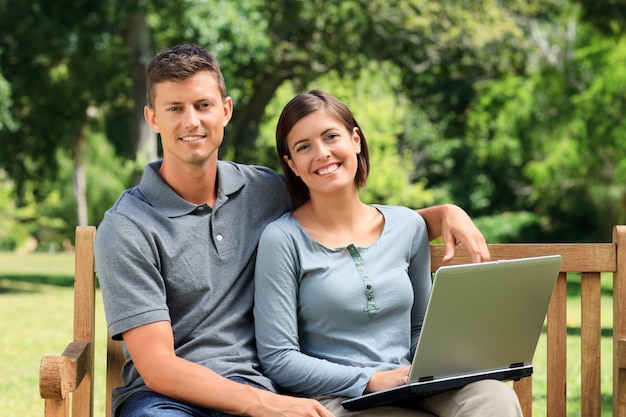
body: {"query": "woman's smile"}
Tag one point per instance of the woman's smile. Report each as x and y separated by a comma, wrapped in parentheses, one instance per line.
(328, 170)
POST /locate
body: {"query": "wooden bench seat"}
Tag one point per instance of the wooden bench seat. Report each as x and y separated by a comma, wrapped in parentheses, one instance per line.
(68, 378)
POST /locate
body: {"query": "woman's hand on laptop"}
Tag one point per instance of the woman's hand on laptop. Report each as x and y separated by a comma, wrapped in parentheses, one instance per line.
(382, 380)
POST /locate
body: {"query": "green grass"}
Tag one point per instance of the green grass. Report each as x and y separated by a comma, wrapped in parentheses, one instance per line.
(36, 307)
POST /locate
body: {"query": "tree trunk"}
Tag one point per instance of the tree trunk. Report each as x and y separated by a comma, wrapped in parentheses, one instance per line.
(144, 144)
(244, 128)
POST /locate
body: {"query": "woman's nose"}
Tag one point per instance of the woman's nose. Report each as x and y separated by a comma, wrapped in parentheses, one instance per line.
(323, 153)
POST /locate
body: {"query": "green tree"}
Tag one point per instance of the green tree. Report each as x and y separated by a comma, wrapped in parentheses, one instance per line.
(550, 141)
(6, 119)
(487, 94)
(13, 229)
(609, 16)
(54, 56)
(440, 50)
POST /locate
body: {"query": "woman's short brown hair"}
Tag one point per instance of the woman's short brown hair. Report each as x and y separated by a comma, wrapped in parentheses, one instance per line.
(301, 106)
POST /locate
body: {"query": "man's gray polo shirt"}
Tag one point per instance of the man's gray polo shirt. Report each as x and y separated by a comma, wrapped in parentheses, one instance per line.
(161, 258)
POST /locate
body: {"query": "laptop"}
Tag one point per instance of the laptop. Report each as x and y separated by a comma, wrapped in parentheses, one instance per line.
(483, 321)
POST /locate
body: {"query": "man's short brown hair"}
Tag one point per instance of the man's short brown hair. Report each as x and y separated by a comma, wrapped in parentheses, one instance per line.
(178, 63)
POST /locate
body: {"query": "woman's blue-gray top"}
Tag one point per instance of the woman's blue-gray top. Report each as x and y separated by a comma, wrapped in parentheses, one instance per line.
(327, 318)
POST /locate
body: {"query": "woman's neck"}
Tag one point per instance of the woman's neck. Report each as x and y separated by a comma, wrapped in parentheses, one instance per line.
(340, 221)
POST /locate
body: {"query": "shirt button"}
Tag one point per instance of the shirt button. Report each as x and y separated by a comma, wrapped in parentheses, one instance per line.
(219, 237)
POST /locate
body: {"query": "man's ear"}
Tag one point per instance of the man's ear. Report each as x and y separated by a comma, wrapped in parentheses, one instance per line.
(228, 110)
(149, 115)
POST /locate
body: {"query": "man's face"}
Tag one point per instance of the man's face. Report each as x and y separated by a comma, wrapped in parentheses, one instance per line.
(190, 115)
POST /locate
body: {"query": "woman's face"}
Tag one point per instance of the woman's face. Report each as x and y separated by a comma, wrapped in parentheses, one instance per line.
(323, 153)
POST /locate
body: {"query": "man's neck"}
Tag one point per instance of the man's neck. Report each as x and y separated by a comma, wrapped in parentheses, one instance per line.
(196, 184)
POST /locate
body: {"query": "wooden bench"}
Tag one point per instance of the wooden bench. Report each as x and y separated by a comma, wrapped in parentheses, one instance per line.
(68, 378)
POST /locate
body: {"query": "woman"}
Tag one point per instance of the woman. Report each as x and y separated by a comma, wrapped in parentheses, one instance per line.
(341, 286)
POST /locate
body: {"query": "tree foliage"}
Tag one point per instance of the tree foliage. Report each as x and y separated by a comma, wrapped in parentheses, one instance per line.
(53, 54)
(500, 106)
(609, 16)
(551, 139)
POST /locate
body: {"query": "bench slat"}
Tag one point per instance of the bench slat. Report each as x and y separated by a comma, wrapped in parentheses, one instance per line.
(524, 390)
(619, 325)
(591, 334)
(115, 361)
(619, 387)
(577, 257)
(56, 408)
(557, 348)
(84, 314)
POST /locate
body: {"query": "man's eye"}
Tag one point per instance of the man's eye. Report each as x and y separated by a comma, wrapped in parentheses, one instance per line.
(173, 108)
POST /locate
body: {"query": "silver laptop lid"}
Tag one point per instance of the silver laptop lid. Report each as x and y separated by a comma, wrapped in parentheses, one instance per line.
(484, 316)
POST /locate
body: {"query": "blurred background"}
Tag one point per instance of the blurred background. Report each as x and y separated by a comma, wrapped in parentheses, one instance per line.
(512, 109)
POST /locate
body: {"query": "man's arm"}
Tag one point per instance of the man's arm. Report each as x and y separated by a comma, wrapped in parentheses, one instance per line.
(455, 226)
(170, 375)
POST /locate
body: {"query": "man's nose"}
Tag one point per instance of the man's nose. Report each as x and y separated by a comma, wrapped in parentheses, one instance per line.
(191, 119)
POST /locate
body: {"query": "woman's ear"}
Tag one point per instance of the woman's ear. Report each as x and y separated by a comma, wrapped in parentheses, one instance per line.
(292, 166)
(356, 140)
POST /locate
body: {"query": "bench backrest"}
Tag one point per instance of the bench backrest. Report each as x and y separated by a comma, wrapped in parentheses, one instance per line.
(590, 260)
(71, 374)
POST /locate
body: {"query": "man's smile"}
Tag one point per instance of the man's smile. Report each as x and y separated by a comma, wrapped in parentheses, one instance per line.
(193, 138)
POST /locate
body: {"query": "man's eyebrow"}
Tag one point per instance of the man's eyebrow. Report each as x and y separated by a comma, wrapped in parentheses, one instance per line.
(200, 100)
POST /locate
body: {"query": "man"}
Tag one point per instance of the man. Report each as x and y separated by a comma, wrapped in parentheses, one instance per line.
(175, 257)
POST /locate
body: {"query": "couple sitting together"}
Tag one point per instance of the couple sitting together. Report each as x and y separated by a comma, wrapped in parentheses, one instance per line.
(241, 291)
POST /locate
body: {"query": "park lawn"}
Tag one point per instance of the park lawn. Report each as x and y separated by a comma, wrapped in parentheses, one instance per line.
(36, 321)
(36, 305)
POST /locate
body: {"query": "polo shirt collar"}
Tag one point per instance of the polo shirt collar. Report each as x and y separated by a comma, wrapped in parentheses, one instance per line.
(162, 197)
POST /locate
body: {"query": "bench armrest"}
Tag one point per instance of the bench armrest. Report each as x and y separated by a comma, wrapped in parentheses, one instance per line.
(61, 375)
